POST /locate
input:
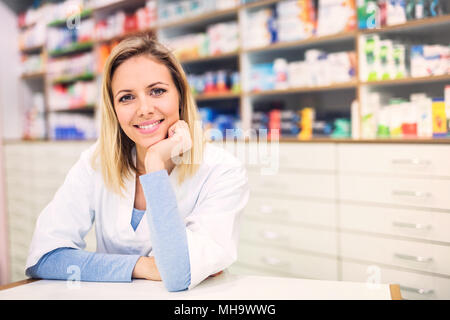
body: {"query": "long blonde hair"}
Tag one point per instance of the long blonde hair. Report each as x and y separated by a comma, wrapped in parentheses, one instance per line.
(114, 148)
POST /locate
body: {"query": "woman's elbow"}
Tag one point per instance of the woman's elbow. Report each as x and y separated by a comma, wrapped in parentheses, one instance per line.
(175, 284)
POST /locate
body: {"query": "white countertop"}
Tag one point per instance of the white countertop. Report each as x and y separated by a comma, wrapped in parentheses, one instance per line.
(223, 287)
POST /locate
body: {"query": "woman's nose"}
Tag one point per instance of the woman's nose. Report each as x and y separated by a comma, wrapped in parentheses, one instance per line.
(145, 106)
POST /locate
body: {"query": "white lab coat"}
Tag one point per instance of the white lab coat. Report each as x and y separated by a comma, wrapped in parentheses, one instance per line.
(210, 203)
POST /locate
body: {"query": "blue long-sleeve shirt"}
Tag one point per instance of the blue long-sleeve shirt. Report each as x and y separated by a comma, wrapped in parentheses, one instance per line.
(169, 241)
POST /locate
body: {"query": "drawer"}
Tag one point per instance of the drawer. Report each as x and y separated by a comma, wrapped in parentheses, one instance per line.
(320, 213)
(401, 253)
(429, 160)
(310, 185)
(309, 156)
(413, 286)
(289, 237)
(241, 269)
(423, 193)
(414, 223)
(283, 261)
(285, 156)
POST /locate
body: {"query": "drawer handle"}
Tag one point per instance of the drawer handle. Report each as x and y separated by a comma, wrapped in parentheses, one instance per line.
(271, 235)
(413, 258)
(274, 262)
(267, 209)
(417, 290)
(414, 161)
(415, 194)
(417, 226)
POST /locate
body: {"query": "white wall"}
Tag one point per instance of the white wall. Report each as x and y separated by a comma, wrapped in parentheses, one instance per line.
(11, 124)
(10, 115)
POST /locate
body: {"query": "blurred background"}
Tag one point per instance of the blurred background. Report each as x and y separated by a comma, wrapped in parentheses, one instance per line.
(357, 91)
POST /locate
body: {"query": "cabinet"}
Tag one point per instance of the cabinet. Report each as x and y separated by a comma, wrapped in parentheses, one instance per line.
(320, 216)
(366, 212)
(34, 172)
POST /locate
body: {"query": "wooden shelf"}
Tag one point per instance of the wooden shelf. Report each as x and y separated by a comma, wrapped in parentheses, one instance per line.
(419, 23)
(33, 75)
(72, 49)
(336, 86)
(62, 22)
(342, 36)
(234, 54)
(217, 96)
(198, 19)
(81, 108)
(126, 35)
(258, 4)
(70, 79)
(117, 5)
(33, 49)
(351, 140)
(408, 80)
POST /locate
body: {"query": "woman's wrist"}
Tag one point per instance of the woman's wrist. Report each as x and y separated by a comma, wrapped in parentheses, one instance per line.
(153, 163)
(145, 268)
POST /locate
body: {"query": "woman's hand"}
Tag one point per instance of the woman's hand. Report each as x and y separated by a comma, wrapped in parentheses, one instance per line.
(145, 268)
(178, 141)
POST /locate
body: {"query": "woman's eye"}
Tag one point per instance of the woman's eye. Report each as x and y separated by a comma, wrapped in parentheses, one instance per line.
(126, 98)
(158, 91)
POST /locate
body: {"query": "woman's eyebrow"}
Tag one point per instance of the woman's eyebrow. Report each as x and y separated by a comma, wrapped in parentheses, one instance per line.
(149, 86)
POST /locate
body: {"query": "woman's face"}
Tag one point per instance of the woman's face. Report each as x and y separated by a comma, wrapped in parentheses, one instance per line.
(144, 94)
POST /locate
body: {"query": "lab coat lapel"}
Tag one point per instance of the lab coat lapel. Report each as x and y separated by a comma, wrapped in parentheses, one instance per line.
(125, 211)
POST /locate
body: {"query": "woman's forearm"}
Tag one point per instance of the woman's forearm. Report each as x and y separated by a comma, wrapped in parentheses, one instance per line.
(75, 264)
(167, 231)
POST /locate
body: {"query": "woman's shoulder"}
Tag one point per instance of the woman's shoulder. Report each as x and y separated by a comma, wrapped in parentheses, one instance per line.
(85, 159)
(221, 155)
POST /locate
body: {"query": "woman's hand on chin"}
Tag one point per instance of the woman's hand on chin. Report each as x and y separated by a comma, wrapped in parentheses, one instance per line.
(178, 141)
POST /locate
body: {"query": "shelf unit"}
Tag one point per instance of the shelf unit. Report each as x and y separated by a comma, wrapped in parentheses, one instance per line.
(242, 56)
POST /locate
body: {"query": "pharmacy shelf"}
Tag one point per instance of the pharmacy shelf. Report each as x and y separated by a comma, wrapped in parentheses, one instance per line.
(125, 35)
(62, 22)
(204, 18)
(80, 108)
(336, 86)
(338, 37)
(33, 76)
(244, 57)
(222, 56)
(413, 24)
(114, 6)
(408, 80)
(217, 96)
(259, 4)
(350, 140)
(71, 79)
(72, 49)
(33, 49)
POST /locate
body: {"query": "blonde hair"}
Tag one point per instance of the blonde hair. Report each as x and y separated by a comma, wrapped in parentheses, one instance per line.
(114, 148)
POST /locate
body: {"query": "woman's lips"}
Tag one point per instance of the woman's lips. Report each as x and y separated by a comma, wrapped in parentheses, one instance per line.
(149, 130)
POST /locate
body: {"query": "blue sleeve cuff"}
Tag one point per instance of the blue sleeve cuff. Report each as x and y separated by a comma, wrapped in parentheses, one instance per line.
(74, 264)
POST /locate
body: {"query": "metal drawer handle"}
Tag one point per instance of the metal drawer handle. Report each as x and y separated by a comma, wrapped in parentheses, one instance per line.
(417, 290)
(417, 226)
(416, 194)
(413, 258)
(274, 262)
(414, 161)
(271, 235)
(268, 209)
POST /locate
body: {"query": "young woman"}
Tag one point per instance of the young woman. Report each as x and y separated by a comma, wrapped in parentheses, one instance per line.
(166, 204)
